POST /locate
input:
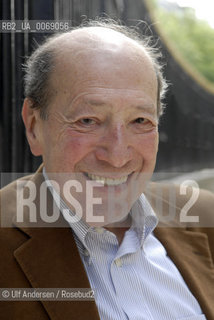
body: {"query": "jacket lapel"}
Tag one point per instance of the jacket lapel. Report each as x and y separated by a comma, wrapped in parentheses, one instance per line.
(188, 247)
(50, 259)
(190, 252)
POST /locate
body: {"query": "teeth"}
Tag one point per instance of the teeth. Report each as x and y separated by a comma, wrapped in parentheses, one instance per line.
(107, 181)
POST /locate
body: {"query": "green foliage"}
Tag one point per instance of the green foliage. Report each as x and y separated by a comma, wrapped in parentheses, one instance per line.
(192, 37)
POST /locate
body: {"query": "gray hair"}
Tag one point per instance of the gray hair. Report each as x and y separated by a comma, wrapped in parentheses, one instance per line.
(40, 65)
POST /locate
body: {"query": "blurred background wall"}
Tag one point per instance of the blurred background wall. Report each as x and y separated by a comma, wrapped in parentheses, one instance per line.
(187, 127)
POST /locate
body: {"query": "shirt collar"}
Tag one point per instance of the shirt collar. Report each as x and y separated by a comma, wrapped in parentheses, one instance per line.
(79, 226)
(144, 220)
(143, 217)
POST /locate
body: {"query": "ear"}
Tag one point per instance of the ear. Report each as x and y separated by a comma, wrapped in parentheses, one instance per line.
(33, 126)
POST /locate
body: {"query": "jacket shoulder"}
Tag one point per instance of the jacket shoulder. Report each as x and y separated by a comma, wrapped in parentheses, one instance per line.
(190, 206)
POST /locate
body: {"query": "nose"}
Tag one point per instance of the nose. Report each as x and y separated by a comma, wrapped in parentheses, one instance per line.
(114, 147)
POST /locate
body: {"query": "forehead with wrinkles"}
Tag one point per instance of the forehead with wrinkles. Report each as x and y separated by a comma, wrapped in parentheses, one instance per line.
(96, 55)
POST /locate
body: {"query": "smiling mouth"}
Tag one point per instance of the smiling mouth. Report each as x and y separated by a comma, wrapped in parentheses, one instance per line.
(107, 181)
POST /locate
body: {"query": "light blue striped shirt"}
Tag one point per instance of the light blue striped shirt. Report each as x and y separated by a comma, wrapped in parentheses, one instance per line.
(134, 280)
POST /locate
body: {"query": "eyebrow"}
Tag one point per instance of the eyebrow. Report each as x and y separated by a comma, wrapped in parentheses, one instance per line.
(147, 107)
(97, 103)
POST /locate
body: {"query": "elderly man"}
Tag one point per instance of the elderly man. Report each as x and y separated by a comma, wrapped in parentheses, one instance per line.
(93, 100)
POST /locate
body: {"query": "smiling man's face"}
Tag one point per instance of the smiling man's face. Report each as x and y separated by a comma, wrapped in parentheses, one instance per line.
(102, 123)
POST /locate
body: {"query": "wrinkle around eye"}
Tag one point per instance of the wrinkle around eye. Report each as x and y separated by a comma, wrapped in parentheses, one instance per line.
(145, 126)
(80, 127)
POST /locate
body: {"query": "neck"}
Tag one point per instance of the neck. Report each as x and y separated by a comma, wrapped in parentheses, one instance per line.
(119, 232)
(119, 228)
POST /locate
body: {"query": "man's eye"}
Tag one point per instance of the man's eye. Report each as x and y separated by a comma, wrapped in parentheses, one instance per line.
(140, 120)
(143, 124)
(87, 121)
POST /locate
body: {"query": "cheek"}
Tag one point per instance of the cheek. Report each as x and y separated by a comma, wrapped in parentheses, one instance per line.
(77, 148)
(147, 145)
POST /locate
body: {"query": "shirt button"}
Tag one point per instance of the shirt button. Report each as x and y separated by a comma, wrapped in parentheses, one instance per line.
(86, 253)
(118, 262)
(99, 230)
